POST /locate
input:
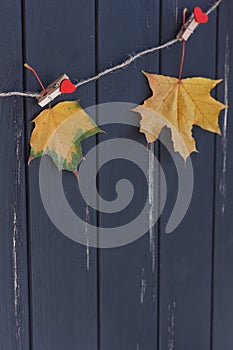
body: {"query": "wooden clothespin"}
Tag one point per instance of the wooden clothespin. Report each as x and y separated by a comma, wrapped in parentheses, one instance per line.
(59, 86)
(193, 22)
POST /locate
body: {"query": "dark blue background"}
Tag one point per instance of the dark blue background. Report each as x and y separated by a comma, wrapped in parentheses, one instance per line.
(53, 294)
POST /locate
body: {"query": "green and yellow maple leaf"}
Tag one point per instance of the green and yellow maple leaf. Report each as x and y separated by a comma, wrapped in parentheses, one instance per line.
(58, 133)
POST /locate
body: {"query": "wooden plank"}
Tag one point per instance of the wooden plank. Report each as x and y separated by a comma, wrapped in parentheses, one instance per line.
(128, 274)
(186, 254)
(223, 253)
(60, 38)
(14, 313)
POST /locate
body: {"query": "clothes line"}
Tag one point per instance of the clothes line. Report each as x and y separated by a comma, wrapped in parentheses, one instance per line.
(120, 66)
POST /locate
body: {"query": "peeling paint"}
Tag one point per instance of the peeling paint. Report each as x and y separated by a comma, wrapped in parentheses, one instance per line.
(151, 191)
(18, 144)
(143, 287)
(17, 302)
(87, 242)
(147, 21)
(222, 187)
(15, 263)
(18, 161)
(147, 15)
(154, 294)
(171, 325)
(16, 283)
(177, 11)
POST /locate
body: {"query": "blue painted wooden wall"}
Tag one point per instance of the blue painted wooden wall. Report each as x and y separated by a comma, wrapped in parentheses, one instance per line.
(162, 292)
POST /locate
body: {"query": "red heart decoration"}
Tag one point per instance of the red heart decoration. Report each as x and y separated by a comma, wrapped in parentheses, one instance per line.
(67, 87)
(200, 16)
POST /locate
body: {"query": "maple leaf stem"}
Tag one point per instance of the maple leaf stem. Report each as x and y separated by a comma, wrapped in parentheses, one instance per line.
(182, 60)
(183, 46)
(36, 75)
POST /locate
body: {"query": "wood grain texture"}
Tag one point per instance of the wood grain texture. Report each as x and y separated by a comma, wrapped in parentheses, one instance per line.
(161, 292)
(14, 313)
(60, 37)
(128, 274)
(186, 254)
(223, 249)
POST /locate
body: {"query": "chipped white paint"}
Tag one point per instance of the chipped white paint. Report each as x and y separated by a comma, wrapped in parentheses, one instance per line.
(148, 14)
(17, 154)
(88, 254)
(143, 287)
(151, 194)
(87, 242)
(16, 278)
(177, 11)
(224, 131)
(154, 294)
(15, 270)
(15, 233)
(147, 21)
(171, 325)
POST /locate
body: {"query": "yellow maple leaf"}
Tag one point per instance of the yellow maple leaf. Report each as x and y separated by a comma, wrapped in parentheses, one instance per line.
(58, 133)
(179, 104)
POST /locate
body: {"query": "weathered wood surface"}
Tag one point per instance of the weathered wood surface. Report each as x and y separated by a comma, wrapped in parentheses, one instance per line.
(63, 273)
(162, 292)
(14, 304)
(186, 254)
(128, 274)
(222, 283)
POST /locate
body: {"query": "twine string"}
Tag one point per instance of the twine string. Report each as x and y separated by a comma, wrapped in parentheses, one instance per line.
(212, 8)
(127, 62)
(107, 71)
(140, 54)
